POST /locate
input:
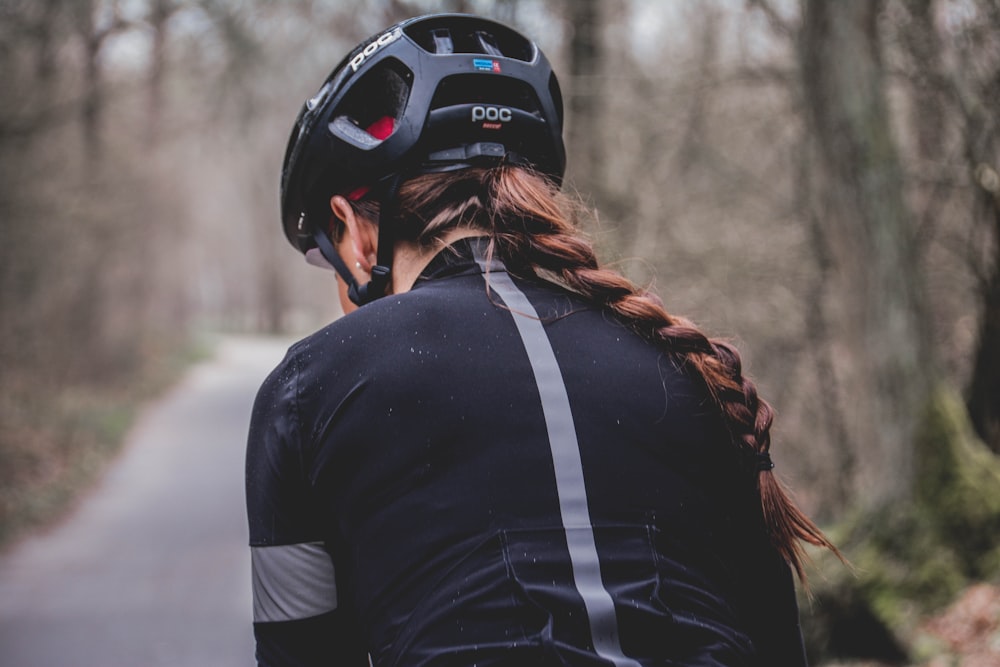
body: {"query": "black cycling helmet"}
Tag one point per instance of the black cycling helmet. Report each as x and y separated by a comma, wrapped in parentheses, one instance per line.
(432, 93)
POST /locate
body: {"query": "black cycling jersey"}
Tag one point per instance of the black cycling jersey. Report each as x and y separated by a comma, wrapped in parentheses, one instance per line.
(487, 470)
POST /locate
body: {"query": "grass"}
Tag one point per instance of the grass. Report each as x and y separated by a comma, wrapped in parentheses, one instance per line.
(56, 438)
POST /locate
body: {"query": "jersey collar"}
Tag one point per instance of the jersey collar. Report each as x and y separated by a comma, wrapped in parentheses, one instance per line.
(457, 258)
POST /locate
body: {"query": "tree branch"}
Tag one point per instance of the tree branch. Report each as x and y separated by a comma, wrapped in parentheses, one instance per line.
(779, 24)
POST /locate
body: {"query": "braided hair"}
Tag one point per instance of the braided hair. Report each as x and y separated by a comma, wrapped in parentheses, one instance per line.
(532, 228)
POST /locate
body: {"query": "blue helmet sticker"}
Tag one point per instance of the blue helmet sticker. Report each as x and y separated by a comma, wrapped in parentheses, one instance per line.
(486, 65)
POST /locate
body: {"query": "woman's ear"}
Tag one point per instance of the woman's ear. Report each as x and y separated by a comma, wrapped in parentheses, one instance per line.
(362, 233)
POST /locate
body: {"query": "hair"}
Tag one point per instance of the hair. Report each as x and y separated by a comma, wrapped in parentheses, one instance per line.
(532, 227)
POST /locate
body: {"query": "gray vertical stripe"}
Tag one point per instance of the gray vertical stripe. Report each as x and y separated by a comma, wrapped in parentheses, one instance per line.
(570, 483)
(292, 582)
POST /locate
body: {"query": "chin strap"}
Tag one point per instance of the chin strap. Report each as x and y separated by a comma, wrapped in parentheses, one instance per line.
(374, 289)
(331, 255)
(382, 271)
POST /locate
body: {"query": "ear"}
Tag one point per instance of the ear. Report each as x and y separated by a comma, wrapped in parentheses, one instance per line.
(362, 233)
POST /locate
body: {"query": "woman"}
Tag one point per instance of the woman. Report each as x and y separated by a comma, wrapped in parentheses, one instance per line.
(507, 455)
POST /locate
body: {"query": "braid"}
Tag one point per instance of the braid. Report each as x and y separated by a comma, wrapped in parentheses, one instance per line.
(531, 224)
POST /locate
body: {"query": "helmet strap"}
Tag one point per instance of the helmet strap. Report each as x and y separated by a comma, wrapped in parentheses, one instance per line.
(331, 255)
(382, 271)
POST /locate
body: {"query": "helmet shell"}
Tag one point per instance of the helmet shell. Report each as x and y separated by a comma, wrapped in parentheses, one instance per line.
(459, 90)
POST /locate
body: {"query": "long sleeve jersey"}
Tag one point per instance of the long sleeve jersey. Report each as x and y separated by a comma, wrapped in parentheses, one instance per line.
(488, 470)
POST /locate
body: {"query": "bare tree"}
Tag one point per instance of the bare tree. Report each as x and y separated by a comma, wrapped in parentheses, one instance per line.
(952, 70)
(95, 28)
(584, 92)
(984, 390)
(976, 88)
(46, 44)
(160, 12)
(867, 227)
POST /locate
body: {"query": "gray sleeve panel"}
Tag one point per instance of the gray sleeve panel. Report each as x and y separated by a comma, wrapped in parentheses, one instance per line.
(292, 582)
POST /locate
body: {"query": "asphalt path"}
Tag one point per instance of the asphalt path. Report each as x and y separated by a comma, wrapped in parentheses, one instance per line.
(152, 567)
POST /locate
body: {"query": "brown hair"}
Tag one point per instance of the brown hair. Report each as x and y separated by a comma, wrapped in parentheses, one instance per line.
(531, 224)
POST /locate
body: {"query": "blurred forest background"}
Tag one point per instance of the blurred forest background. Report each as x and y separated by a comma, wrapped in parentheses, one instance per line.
(817, 180)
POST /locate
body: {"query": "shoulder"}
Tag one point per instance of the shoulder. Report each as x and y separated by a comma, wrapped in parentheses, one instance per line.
(360, 335)
(374, 339)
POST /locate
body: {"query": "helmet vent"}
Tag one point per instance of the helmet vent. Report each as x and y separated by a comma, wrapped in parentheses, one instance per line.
(381, 93)
(487, 44)
(466, 35)
(556, 94)
(442, 41)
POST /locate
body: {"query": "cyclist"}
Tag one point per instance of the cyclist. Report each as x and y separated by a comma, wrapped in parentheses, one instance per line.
(506, 454)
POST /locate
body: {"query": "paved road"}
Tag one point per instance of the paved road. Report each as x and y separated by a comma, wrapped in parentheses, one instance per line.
(152, 568)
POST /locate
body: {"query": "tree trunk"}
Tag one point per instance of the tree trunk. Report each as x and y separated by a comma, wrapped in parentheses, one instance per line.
(979, 100)
(159, 13)
(699, 101)
(984, 391)
(871, 244)
(45, 66)
(585, 51)
(93, 100)
(832, 418)
(92, 105)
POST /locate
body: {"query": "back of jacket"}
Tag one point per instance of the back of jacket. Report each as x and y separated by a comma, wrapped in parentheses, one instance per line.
(468, 476)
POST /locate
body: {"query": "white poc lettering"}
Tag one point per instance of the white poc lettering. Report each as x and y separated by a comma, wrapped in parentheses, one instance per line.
(387, 38)
(492, 114)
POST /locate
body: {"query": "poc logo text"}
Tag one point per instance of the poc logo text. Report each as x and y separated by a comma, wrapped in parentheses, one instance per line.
(387, 38)
(491, 114)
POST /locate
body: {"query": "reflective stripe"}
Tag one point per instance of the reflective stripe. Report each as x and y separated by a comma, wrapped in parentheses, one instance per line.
(570, 484)
(292, 582)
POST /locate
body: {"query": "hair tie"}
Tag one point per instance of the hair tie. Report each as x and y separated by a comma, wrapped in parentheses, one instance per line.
(764, 462)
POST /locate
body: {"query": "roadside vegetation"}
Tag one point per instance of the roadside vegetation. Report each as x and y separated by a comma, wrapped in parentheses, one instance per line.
(55, 443)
